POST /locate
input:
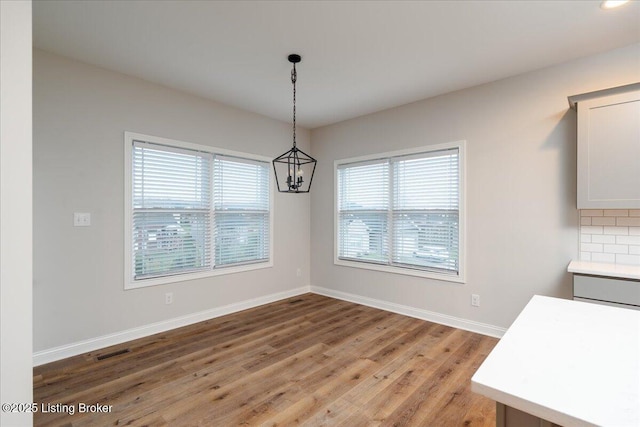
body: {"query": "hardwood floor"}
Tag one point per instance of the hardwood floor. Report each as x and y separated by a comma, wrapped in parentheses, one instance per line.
(307, 360)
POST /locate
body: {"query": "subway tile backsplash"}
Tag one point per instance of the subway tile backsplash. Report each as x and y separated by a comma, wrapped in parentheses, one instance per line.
(610, 235)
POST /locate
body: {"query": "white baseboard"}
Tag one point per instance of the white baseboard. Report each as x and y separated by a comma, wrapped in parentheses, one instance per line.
(431, 316)
(74, 349)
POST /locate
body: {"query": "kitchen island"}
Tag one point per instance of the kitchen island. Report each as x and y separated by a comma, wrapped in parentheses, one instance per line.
(568, 363)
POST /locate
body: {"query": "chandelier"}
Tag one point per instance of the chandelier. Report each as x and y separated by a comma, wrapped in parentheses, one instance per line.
(294, 169)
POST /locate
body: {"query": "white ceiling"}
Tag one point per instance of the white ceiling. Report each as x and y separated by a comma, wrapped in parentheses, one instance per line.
(357, 56)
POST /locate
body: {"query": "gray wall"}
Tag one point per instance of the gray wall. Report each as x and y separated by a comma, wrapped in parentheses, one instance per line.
(522, 223)
(15, 210)
(80, 115)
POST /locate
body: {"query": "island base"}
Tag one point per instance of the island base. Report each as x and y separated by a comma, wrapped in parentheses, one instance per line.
(506, 416)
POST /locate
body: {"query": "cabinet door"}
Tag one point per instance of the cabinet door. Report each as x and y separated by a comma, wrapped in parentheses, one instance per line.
(607, 289)
(609, 151)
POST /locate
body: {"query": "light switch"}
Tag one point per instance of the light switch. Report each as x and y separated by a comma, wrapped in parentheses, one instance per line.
(81, 219)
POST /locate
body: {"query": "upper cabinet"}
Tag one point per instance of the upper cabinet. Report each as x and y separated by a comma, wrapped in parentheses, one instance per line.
(609, 148)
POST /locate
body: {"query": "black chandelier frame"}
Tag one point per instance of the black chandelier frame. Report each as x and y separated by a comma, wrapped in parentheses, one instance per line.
(294, 159)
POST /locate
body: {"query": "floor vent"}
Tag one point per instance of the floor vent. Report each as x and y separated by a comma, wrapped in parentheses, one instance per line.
(295, 301)
(115, 353)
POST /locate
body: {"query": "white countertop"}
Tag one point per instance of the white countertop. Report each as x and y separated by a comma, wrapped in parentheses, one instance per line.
(569, 362)
(602, 269)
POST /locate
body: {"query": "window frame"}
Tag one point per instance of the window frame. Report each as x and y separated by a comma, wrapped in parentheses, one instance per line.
(129, 281)
(460, 277)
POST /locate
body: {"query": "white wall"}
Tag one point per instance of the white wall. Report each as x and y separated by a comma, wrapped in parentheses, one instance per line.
(15, 210)
(80, 115)
(522, 222)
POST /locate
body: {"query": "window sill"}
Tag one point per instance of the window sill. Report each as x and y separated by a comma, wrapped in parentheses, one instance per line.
(144, 283)
(404, 271)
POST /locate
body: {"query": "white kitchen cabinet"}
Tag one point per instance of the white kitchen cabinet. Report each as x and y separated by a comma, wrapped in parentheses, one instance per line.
(608, 284)
(607, 290)
(609, 148)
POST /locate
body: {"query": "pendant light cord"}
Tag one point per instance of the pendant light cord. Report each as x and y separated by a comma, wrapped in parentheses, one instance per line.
(294, 77)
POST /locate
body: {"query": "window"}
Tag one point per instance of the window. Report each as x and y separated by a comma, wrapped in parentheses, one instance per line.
(193, 211)
(402, 212)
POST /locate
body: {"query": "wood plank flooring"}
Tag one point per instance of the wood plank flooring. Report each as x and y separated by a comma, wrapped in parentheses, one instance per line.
(308, 360)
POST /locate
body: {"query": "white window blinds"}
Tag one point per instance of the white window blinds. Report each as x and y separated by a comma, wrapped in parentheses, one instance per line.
(401, 211)
(425, 211)
(363, 205)
(241, 211)
(194, 211)
(171, 216)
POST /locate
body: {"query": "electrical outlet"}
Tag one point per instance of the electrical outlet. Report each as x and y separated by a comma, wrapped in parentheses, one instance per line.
(475, 300)
(299, 272)
(168, 298)
(81, 219)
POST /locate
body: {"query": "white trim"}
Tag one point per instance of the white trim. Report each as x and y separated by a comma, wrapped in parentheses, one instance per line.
(129, 283)
(144, 283)
(462, 209)
(405, 152)
(128, 207)
(418, 313)
(74, 349)
(399, 270)
(85, 346)
(130, 136)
